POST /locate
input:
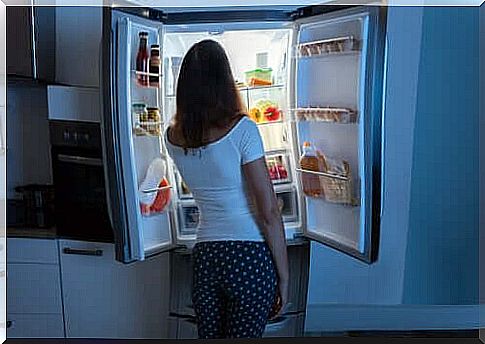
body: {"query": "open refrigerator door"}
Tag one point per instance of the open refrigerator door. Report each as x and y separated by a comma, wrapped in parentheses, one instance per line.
(144, 179)
(337, 118)
(259, 54)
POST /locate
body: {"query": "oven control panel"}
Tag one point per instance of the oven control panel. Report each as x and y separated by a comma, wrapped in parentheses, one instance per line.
(78, 134)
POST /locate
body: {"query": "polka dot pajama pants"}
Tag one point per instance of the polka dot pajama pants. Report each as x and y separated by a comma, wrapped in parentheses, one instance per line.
(234, 288)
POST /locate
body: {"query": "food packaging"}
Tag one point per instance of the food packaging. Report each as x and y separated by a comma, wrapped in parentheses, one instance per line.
(151, 199)
(336, 190)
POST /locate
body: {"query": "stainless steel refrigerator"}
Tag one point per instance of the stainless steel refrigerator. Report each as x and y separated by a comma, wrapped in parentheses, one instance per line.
(323, 71)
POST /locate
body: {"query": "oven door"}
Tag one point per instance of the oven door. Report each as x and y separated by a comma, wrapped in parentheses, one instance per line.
(80, 196)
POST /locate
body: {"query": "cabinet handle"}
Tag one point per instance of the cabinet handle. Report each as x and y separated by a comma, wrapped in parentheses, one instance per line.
(9, 323)
(81, 160)
(83, 252)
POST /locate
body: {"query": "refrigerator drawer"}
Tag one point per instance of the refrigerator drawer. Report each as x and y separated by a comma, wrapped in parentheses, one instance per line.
(279, 168)
(186, 329)
(291, 325)
(287, 201)
(189, 213)
(188, 219)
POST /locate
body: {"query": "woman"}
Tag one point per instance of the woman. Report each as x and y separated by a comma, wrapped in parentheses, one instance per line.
(240, 259)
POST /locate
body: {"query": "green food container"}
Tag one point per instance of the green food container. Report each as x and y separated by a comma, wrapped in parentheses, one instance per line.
(259, 73)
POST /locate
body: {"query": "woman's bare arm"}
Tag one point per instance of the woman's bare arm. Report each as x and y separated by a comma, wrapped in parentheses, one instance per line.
(261, 189)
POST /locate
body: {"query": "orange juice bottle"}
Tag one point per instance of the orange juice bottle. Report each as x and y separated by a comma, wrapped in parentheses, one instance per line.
(309, 161)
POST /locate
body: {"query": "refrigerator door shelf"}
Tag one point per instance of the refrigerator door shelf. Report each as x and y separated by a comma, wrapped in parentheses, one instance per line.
(326, 114)
(329, 46)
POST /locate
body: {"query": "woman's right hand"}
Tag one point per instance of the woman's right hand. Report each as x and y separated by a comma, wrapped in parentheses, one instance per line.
(281, 300)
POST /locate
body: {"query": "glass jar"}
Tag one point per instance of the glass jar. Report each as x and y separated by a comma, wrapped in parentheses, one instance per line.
(154, 120)
(140, 116)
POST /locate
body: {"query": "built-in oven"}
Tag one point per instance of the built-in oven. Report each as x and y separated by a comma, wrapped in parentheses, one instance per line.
(81, 210)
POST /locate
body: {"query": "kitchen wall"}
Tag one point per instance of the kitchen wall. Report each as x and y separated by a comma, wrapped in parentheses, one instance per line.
(429, 237)
(28, 156)
(442, 251)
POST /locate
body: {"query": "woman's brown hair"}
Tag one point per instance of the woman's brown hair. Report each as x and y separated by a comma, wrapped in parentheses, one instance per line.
(207, 95)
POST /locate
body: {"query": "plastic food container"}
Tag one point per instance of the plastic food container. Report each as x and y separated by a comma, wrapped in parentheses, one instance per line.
(264, 74)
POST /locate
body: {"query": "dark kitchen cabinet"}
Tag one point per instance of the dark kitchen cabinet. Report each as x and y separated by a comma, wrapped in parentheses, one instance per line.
(79, 31)
(31, 42)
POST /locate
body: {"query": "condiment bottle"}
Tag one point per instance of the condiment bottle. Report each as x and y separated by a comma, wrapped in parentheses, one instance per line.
(155, 65)
(309, 161)
(142, 60)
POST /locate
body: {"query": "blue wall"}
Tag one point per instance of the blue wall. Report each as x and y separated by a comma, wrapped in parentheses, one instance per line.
(441, 264)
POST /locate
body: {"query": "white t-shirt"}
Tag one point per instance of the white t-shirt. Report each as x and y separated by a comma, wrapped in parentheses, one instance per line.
(214, 175)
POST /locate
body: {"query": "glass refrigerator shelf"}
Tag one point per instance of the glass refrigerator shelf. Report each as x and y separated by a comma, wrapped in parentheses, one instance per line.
(270, 122)
(258, 88)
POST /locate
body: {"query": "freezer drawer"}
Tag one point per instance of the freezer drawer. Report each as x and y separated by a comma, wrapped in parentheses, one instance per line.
(188, 219)
(288, 204)
(291, 325)
(181, 280)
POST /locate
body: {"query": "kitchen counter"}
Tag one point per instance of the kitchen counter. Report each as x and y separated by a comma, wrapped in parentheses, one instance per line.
(29, 232)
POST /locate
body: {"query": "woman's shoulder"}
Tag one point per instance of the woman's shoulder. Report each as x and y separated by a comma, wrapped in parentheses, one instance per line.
(245, 125)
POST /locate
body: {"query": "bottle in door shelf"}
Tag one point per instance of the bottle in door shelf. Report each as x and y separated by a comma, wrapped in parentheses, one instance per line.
(155, 65)
(142, 59)
(309, 161)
